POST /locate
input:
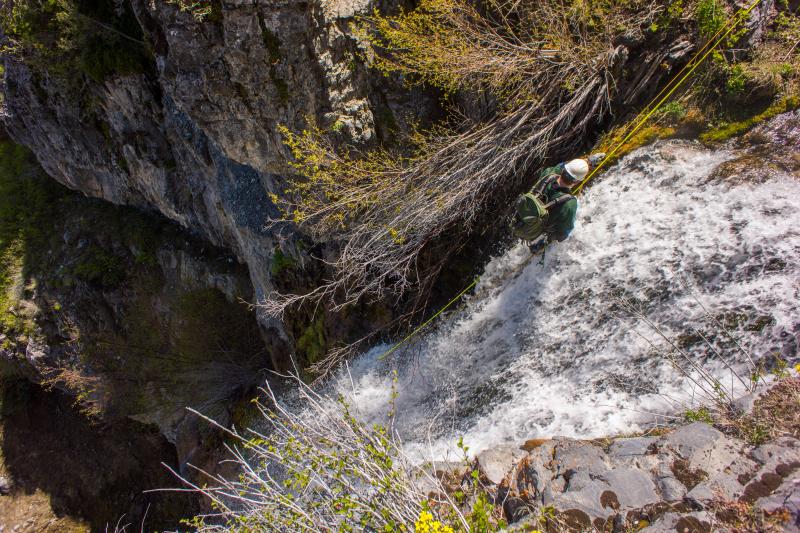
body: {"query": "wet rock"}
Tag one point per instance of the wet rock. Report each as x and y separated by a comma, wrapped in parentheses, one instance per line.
(577, 455)
(630, 449)
(695, 442)
(785, 497)
(588, 500)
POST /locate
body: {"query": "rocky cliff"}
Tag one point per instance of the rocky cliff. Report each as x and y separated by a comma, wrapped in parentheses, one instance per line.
(194, 135)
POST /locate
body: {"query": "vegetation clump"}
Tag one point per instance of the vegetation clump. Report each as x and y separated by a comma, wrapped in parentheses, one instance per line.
(27, 200)
(728, 131)
(95, 37)
(201, 10)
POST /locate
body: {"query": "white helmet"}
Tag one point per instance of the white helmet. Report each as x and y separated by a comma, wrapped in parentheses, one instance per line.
(577, 169)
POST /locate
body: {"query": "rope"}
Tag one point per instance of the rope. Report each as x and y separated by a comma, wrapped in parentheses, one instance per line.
(694, 62)
(431, 319)
(642, 117)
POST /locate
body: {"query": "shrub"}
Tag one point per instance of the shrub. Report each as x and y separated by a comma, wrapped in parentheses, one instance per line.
(675, 111)
(736, 81)
(323, 470)
(711, 17)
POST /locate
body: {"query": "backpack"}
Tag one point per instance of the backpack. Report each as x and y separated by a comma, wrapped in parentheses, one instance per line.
(531, 212)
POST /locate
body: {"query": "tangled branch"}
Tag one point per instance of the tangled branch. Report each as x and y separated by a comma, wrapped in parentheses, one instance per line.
(395, 216)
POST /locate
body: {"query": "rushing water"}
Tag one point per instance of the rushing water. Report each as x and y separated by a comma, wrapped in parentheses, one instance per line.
(546, 350)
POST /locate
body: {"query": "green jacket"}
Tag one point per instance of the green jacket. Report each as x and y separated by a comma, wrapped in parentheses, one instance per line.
(561, 220)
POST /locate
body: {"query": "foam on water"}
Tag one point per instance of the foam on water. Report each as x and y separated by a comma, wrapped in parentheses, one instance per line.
(546, 352)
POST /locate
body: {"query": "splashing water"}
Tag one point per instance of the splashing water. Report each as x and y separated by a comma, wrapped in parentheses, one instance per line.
(545, 352)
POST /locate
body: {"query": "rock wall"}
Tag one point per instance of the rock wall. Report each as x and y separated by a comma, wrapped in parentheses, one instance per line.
(197, 138)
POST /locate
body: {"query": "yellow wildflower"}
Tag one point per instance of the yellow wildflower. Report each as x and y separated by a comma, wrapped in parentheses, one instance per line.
(426, 524)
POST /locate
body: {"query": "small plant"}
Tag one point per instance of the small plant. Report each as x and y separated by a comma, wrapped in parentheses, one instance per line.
(201, 10)
(736, 81)
(781, 368)
(701, 414)
(427, 524)
(675, 111)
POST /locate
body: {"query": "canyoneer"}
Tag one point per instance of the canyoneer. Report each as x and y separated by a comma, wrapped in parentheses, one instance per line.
(547, 212)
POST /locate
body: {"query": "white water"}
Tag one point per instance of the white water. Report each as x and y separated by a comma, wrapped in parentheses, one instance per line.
(542, 354)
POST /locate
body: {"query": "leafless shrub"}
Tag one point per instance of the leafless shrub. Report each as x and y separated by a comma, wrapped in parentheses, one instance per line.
(321, 469)
(395, 215)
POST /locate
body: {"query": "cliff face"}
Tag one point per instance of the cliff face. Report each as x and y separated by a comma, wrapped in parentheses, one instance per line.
(196, 138)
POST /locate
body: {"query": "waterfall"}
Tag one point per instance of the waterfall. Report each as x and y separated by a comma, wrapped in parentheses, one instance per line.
(545, 351)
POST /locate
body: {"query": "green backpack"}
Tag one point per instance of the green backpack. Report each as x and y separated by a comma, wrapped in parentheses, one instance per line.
(531, 211)
(530, 216)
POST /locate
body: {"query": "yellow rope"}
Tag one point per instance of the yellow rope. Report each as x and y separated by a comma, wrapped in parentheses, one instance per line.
(695, 63)
(431, 319)
(692, 65)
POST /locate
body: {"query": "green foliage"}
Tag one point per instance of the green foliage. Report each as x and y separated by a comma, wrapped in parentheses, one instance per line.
(281, 262)
(711, 17)
(26, 196)
(736, 81)
(96, 265)
(60, 36)
(201, 10)
(754, 432)
(102, 57)
(480, 519)
(271, 42)
(26, 213)
(670, 18)
(701, 414)
(781, 368)
(674, 111)
(451, 45)
(312, 343)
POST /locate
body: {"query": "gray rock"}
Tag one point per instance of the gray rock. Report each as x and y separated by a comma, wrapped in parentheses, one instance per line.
(578, 455)
(631, 448)
(671, 489)
(781, 450)
(787, 496)
(633, 488)
(723, 486)
(696, 522)
(5, 486)
(496, 462)
(693, 442)
(705, 448)
(588, 500)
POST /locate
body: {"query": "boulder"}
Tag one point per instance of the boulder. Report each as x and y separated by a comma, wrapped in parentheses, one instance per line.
(495, 463)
